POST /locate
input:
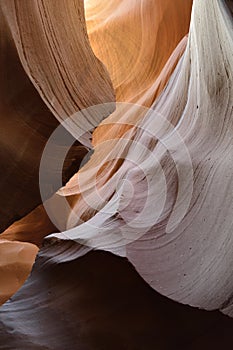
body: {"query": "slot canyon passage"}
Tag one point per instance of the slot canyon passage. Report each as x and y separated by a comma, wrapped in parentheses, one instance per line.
(116, 174)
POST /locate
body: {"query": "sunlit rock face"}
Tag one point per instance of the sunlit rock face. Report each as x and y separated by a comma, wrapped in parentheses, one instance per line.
(15, 262)
(156, 192)
(135, 38)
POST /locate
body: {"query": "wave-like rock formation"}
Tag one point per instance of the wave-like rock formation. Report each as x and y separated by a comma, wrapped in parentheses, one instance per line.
(48, 70)
(172, 223)
(156, 192)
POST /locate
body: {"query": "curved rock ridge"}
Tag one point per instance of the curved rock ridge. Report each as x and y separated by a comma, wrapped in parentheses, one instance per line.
(31, 99)
(32, 92)
(37, 224)
(53, 46)
(125, 117)
(157, 192)
(174, 223)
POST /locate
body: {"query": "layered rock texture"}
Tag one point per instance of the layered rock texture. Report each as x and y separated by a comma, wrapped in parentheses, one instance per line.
(48, 72)
(139, 239)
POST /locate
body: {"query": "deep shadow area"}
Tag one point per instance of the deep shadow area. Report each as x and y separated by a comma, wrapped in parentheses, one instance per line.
(100, 302)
